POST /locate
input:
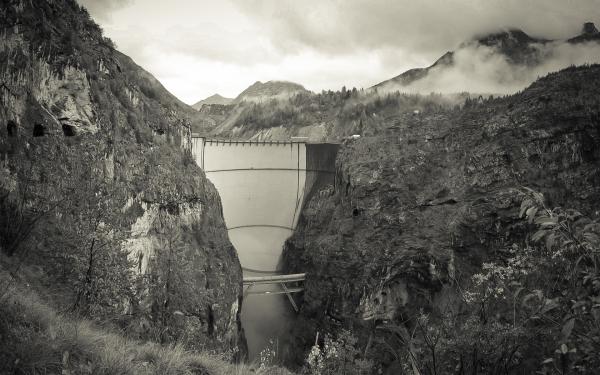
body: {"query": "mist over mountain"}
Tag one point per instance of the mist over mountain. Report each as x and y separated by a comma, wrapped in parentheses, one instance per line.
(498, 63)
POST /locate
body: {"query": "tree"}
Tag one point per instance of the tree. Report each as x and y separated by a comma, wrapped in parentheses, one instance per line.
(61, 212)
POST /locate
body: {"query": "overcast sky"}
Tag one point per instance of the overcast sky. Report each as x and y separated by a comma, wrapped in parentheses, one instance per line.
(197, 47)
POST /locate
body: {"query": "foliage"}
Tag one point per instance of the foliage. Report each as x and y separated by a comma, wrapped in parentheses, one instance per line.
(56, 30)
(36, 339)
(268, 355)
(339, 356)
(354, 110)
(61, 212)
(533, 309)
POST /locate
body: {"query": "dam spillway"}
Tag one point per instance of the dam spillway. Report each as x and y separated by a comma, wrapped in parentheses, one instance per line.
(263, 187)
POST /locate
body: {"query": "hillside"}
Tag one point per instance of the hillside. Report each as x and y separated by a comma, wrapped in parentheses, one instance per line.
(425, 201)
(211, 100)
(98, 191)
(499, 63)
(263, 92)
(44, 340)
(326, 116)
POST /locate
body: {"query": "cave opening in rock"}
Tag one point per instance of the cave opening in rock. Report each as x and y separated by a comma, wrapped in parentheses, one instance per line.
(11, 129)
(39, 130)
(68, 130)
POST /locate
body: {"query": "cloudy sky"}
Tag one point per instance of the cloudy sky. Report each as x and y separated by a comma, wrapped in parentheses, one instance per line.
(198, 47)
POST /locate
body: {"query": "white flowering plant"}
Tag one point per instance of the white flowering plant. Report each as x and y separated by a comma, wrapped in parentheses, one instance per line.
(531, 308)
(337, 356)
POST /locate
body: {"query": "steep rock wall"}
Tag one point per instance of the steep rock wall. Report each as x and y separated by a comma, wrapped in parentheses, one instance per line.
(71, 102)
(419, 206)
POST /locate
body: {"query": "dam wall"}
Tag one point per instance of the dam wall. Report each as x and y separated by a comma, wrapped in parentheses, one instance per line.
(263, 187)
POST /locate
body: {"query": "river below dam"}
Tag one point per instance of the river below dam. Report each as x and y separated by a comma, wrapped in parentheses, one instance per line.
(263, 187)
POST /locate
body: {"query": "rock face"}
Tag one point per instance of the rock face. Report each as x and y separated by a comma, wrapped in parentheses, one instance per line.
(64, 87)
(421, 205)
(589, 28)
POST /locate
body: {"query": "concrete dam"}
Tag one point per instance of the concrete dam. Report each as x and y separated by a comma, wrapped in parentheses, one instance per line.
(263, 187)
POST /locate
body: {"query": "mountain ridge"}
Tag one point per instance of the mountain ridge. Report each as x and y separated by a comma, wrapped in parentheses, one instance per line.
(260, 91)
(213, 99)
(95, 135)
(513, 44)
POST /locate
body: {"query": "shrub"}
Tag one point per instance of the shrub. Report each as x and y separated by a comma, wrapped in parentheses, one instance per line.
(337, 356)
(534, 309)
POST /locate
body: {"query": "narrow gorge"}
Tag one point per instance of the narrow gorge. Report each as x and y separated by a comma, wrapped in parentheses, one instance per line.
(443, 221)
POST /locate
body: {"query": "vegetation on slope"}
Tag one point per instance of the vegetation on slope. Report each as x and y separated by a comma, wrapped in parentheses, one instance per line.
(99, 191)
(37, 339)
(424, 200)
(342, 113)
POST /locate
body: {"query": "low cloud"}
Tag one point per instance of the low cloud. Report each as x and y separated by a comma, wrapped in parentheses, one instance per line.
(479, 69)
(198, 48)
(213, 42)
(427, 27)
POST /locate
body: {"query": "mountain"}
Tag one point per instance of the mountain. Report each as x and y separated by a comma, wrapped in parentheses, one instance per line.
(98, 192)
(589, 32)
(518, 49)
(426, 200)
(261, 92)
(214, 99)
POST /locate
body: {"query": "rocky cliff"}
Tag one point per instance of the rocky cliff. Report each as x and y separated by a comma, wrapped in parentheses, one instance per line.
(420, 204)
(79, 119)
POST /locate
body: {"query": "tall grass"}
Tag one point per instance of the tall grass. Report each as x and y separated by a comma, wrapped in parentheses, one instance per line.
(36, 339)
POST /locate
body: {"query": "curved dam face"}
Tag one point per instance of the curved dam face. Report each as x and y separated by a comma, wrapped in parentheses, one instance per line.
(263, 186)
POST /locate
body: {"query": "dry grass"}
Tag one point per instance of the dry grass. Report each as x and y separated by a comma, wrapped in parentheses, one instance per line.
(35, 339)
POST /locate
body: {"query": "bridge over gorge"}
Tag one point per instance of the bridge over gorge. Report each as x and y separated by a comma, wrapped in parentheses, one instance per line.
(263, 187)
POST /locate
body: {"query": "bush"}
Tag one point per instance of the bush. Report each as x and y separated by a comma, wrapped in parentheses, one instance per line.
(534, 309)
(339, 356)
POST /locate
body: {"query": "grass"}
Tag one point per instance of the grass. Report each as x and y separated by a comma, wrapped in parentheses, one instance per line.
(36, 339)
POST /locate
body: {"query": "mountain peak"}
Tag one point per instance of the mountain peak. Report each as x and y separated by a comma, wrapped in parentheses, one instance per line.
(213, 99)
(269, 90)
(589, 33)
(505, 37)
(589, 28)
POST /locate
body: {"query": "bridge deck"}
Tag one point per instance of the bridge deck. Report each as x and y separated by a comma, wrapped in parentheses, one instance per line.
(280, 280)
(274, 279)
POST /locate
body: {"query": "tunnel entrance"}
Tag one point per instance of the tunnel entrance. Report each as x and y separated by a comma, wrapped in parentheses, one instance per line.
(263, 186)
(11, 129)
(39, 130)
(68, 130)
